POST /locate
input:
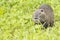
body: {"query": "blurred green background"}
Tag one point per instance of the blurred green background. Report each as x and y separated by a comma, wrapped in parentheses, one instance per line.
(16, 20)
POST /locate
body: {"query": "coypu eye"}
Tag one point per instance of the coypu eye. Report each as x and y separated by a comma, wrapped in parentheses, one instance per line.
(41, 10)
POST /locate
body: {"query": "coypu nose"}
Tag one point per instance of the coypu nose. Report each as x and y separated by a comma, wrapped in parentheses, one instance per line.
(36, 18)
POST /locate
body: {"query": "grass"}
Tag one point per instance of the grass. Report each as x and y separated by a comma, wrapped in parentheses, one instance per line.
(16, 20)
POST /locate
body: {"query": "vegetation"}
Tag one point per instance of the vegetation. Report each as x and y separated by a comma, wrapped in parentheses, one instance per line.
(16, 20)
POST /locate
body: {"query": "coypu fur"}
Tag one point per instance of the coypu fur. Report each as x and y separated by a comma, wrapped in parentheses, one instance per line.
(44, 14)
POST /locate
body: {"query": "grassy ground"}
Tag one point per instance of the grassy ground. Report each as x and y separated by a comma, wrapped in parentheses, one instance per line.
(16, 20)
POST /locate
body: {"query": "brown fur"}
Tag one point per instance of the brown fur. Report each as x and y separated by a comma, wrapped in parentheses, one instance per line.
(45, 15)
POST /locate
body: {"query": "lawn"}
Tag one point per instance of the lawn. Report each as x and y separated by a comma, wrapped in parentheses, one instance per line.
(16, 20)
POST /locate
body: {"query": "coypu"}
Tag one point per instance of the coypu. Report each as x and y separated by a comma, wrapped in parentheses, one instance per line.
(44, 14)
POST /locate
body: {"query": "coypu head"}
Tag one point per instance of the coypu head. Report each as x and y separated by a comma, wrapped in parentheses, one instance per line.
(39, 16)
